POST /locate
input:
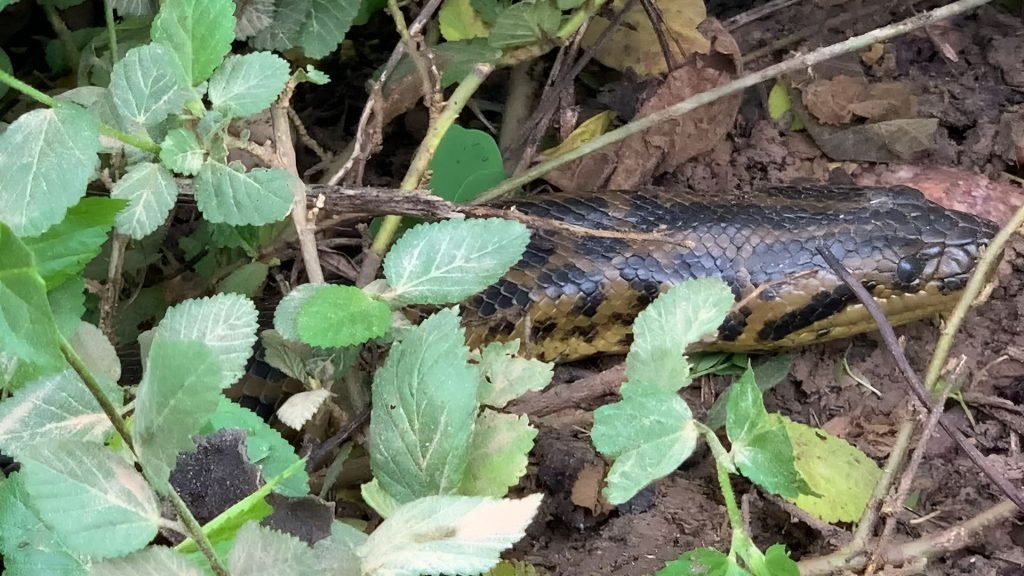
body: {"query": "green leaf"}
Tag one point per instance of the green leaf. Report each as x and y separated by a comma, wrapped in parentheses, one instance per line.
(199, 31)
(67, 302)
(5, 66)
(466, 163)
(454, 59)
(62, 252)
(180, 151)
(702, 562)
(337, 316)
(226, 323)
(150, 561)
(760, 446)
(260, 196)
(47, 158)
(264, 446)
(248, 84)
(151, 192)
(446, 262)
(648, 436)
(447, 534)
(376, 498)
(459, 21)
(175, 399)
(27, 328)
(52, 408)
(336, 554)
(286, 315)
(92, 498)
(663, 331)
(327, 22)
(261, 550)
(97, 353)
(27, 545)
(525, 23)
(488, 9)
(246, 280)
(498, 454)
(424, 403)
(148, 85)
(284, 32)
(507, 377)
(841, 476)
(767, 373)
(778, 562)
(134, 7)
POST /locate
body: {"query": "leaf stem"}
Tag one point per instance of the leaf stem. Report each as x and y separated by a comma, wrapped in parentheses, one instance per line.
(108, 13)
(28, 90)
(732, 509)
(418, 168)
(64, 34)
(696, 101)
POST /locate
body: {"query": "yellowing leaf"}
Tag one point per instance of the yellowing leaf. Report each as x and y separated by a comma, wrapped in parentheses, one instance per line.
(585, 132)
(634, 44)
(459, 21)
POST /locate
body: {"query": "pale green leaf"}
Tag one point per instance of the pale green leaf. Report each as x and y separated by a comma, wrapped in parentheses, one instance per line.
(28, 546)
(286, 315)
(63, 251)
(326, 24)
(778, 562)
(313, 76)
(424, 403)
(248, 84)
(649, 436)
(336, 555)
(298, 409)
(376, 498)
(524, 23)
(284, 32)
(47, 158)
(446, 262)
(507, 376)
(246, 280)
(226, 323)
(148, 85)
(92, 498)
(27, 327)
(459, 21)
(447, 535)
(67, 302)
(150, 561)
(253, 16)
(151, 192)
(180, 151)
(96, 352)
(134, 7)
(261, 551)
(288, 356)
(702, 562)
(337, 316)
(199, 31)
(662, 332)
(259, 196)
(498, 454)
(55, 407)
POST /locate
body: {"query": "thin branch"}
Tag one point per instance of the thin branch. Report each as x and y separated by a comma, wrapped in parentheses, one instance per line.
(112, 289)
(430, 83)
(792, 65)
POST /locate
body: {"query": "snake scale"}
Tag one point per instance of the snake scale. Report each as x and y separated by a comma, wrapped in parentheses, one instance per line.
(575, 294)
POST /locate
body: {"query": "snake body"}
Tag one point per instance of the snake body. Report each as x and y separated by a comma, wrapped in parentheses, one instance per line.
(575, 294)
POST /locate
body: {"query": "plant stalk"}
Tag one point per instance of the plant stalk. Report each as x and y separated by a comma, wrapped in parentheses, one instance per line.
(108, 14)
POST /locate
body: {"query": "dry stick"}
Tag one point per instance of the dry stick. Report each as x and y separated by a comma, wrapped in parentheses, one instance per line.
(754, 14)
(658, 25)
(698, 100)
(889, 337)
(112, 290)
(430, 83)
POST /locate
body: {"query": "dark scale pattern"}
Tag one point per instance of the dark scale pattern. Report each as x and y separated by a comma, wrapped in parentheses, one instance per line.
(579, 294)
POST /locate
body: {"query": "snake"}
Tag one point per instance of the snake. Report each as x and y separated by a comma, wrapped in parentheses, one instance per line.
(597, 259)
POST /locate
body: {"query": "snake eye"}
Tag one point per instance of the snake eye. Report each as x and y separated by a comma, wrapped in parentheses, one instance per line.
(908, 270)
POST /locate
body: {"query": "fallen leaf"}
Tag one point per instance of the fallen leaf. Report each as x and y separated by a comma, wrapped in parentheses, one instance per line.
(586, 491)
(830, 100)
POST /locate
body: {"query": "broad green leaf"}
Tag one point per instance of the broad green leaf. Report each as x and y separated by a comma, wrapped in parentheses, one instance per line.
(498, 454)
(778, 562)
(337, 316)
(27, 545)
(96, 352)
(525, 23)
(175, 399)
(62, 252)
(489, 9)
(702, 562)
(246, 280)
(459, 21)
(507, 376)
(424, 403)
(326, 24)
(150, 561)
(134, 7)
(151, 192)
(284, 32)
(148, 85)
(259, 196)
(263, 445)
(286, 315)
(376, 498)
(254, 16)
(447, 535)
(648, 436)
(446, 262)
(466, 163)
(47, 158)
(92, 498)
(760, 446)
(55, 407)
(841, 476)
(226, 323)
(336, 555)
(5, 66)
(180, 151)
(27, 327)
(767, 373)
(569, 4)
(67, 302)
(260, 550)
(287, 356)
(663, 331)
(248, 84)
(199, 31)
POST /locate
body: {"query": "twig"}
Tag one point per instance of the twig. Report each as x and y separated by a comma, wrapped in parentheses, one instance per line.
(792, 65)
(916, 386)
(552, 400)
(304, 136)
(755, 14)
(430, 83)
(866, 524)
(317, 457)
(112, 289)
(66, 39)
(658, 25)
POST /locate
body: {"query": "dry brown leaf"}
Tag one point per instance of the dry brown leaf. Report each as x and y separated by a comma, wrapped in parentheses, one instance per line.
(886, 101)
(586, 491)
(830, 100)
